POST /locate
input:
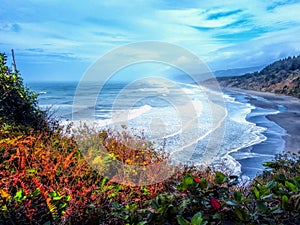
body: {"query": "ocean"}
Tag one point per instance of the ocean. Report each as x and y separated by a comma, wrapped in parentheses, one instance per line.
(230, 134)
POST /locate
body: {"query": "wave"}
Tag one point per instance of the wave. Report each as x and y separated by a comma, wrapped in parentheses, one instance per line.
(126, 115)
(186, 138)
(56, 106)
(188, 146)
(118, 117)
(161, 90)
(198, 110)
(249, 153)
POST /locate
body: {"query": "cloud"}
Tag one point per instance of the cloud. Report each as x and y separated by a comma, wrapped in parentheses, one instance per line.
(222, 14)
(10, 27)
(198, 18)
(16, 28)
(35, 50)
(278, 3)
(259, 51)
(236, 36)
(220, 32)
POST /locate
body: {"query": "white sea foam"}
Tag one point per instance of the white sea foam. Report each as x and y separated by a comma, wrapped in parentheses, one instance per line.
(53, 106)
(164, 122)
(118, 117)
(160, 90)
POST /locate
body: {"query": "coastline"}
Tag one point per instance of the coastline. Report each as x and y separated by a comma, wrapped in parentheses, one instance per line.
(288, 117)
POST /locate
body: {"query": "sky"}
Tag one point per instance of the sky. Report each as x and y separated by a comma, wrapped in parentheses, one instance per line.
(60, 40)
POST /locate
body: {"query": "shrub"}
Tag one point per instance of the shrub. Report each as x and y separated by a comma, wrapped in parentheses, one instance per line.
(124, 156)
(44, 179)
(18, 105)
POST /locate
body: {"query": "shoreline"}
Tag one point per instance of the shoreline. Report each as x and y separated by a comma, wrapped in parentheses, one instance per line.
(288, 117)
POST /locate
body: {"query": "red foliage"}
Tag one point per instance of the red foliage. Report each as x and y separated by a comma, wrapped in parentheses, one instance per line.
(47, 162)
(215, 204)
(197, 180)
(43, 163)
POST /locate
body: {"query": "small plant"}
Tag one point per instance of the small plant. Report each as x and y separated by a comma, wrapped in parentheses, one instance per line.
(123, 155)
(196, 220)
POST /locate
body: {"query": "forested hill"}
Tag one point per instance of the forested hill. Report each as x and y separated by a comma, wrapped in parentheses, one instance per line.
(281, 77)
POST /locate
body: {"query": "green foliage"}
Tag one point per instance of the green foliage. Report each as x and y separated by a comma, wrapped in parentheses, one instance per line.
(220, 178)
(18, 105)
(280, 77)
(196, 220)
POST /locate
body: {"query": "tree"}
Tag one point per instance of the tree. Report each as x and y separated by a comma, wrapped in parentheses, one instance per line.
(18, 105)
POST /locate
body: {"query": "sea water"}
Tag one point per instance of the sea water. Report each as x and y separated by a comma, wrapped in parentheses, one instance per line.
(159, 111)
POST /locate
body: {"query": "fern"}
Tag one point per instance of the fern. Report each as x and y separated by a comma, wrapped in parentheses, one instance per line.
(52, 208)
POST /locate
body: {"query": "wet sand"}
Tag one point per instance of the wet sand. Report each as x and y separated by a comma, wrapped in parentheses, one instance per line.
(288, 118)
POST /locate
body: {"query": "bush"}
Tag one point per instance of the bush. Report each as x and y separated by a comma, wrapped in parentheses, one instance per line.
(44, 179)
(18, 105)
(124, 156)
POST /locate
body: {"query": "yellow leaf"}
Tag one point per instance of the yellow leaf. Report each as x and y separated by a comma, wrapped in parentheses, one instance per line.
(51, 207)
(4, 194)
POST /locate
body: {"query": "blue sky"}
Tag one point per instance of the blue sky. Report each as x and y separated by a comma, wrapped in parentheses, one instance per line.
(59, 40)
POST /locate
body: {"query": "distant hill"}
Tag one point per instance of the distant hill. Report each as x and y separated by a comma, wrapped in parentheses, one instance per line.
(280, 77)
(236, 71)
(218, 73)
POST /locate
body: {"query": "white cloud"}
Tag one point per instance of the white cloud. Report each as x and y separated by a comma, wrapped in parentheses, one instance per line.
(259, 51)
(223, 33)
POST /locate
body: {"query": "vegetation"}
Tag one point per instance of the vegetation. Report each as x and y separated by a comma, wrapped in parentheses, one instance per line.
(280, 77)
(45, 179)
(18, 105)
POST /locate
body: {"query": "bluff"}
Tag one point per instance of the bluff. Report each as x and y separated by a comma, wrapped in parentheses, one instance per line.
(280, 77)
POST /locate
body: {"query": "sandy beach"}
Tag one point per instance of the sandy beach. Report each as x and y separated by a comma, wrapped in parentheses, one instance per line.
(288, 118)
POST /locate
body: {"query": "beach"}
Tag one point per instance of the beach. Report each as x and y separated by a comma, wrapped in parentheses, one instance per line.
(250, 138)
(288, 118)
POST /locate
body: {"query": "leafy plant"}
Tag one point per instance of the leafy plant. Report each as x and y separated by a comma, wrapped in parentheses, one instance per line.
(18, 105)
